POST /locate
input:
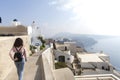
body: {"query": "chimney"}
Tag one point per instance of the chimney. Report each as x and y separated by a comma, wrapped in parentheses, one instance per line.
(54, 46)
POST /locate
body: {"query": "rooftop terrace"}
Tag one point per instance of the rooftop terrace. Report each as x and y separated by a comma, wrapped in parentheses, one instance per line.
(91, 57)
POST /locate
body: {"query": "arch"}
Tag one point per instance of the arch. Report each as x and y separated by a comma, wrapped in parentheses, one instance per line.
(61, 58)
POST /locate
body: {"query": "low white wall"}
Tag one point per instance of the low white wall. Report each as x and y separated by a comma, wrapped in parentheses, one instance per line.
(46, 65)
(97, 77)
(47, 70)
(49, 56)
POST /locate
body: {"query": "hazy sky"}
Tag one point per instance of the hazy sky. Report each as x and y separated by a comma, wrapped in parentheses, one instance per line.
(75, 16)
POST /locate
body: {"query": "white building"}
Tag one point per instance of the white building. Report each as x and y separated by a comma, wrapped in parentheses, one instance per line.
(96, 66)
(15, 22)
(34, 32)
(63, 56)
(95, 61)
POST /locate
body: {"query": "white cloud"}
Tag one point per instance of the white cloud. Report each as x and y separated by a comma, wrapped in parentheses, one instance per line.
(100, 16)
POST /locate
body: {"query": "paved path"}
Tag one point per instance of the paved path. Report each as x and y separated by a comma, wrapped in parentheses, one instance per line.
(30, 71)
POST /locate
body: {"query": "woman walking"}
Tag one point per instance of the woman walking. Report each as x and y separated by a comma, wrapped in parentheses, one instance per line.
(18, 55)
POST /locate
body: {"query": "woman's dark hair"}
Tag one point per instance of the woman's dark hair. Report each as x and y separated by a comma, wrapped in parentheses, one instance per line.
(18, 42)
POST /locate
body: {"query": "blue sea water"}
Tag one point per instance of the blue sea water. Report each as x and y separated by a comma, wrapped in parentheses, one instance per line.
(111, 47)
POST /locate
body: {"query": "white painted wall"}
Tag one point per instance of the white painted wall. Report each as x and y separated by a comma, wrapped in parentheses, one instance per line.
(16, 23)
(34, 32)
(29, 30)
(49, 56)
(60, 53)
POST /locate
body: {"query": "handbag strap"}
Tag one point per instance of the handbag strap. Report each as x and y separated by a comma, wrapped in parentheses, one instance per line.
(18, 49)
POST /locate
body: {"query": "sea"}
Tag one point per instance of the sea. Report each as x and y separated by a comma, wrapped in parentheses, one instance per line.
(111, 47)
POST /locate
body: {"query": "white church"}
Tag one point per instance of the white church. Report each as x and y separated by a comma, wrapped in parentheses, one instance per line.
(34, 32)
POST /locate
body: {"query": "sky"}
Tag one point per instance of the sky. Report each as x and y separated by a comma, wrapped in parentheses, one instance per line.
(100, 17)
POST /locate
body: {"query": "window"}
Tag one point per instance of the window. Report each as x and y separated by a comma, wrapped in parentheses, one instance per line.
(61, 58)
(68, 58)
(55, 58)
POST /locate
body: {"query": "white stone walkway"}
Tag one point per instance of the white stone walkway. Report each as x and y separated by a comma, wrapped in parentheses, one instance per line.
(31, 71)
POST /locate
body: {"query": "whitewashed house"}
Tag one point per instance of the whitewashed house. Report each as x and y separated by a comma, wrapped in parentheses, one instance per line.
(94, 61)
(15, 22)
(63, 56)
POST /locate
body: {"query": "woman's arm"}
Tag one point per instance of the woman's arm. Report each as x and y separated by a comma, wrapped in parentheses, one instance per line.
(10, 54)
(25, 55)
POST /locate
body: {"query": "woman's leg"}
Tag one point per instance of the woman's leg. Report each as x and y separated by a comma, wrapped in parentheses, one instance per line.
(17, 67)
(21, 69)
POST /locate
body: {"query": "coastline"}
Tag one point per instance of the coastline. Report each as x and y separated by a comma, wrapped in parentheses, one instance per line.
(109, 46)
